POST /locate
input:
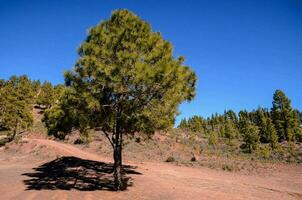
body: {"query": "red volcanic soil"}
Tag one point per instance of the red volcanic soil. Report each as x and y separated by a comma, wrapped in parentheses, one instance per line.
(46, 169)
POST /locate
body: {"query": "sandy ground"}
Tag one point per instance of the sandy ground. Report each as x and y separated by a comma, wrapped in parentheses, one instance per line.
(22, 177)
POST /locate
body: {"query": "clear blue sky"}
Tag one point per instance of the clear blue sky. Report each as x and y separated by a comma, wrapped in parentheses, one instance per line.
(241, 50)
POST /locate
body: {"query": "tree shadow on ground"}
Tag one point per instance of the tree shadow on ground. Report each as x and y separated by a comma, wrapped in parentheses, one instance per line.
(68, 173)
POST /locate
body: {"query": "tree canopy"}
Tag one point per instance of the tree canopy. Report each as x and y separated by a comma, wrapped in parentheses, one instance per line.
(16, 100)
(46, 95)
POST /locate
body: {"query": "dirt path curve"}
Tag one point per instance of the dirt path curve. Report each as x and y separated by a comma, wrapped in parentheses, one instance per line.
(157, 181)
(66, 149)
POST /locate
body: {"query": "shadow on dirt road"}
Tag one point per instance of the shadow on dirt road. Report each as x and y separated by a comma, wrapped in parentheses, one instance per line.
(68, 173)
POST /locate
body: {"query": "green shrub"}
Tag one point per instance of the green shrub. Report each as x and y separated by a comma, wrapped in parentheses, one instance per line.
(3, 141)
(213, 139)
(193, 159)
(86, 136)
(227, 167)
(170, 159)
(265, 152)
(250, 138)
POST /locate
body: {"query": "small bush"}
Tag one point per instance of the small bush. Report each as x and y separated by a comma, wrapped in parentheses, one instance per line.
(227, 167)
(265, 152)
(213, 139)
(86, 136)
(193, 159)
(170, 159)
(78, 141)
(138, 140)
(3, 141)
(17, 139)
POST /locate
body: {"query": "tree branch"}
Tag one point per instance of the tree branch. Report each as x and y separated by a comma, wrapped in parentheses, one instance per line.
(107, 136)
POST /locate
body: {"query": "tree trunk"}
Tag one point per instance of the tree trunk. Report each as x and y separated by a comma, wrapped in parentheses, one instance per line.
(118, 182)
(12, 137)
(117, 156)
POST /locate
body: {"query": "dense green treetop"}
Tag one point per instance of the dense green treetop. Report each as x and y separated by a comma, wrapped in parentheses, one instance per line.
(16, 98)
(46, 95)
(126, 70)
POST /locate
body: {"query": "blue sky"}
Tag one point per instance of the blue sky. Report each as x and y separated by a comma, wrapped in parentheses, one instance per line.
(241, 50)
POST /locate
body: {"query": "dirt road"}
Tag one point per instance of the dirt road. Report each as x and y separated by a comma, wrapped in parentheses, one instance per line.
(81, 175)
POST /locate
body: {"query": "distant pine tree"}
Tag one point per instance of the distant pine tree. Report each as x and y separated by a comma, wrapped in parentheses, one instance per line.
(16, 98)
(196, 124)
(284, 118)
(230, 130)
(183, 124)
(261, 122)
(243, 121)
(46, 95)
(250, 138)
(231, 115)
(271, 134)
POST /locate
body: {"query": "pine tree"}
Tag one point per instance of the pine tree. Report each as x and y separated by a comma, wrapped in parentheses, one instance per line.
(261, 122)
(231, 115)
(271, 134)
(126, 80)
(46, 95)
(284, 118)
(243, 121)
(36, 86)
(183, 124)
(230, 130)
(250, 137)
(212, 138)
(15, 105)
(59, 91)
(196, 124)
(64, 115)
(297, 128)
(299, 115)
